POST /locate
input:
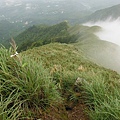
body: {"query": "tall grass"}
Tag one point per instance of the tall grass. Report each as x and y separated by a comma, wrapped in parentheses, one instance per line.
(36, 81)
(103, 98)
(99, 87)
(24, 86)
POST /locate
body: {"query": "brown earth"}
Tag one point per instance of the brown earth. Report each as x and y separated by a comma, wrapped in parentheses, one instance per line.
(78, 113)
(66, 113)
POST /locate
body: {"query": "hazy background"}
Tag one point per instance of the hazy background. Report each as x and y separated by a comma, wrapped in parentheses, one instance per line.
(16, 16)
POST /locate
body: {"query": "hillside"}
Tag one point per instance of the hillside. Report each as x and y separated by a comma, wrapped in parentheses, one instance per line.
(111, 13)
(82, 37)
(56, 81)
(96, 50)
(40, 35)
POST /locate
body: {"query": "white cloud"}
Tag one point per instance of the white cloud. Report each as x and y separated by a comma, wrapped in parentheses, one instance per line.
(110, 30)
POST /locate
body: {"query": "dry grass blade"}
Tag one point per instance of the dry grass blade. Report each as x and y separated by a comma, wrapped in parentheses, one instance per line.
(13, 44)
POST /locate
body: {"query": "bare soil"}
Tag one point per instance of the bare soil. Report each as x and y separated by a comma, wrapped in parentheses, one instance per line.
(66, 113)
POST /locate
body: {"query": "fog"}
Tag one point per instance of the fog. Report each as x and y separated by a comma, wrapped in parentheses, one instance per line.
(110, 30)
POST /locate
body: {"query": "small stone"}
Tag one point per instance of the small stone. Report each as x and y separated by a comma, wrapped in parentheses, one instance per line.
(79, 81)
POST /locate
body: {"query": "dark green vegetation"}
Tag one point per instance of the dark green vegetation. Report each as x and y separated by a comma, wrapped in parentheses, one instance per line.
(40, 35)
(46, 77)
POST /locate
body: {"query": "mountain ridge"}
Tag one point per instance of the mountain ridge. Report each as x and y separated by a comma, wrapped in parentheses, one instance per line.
(82, 37)
(110, 13)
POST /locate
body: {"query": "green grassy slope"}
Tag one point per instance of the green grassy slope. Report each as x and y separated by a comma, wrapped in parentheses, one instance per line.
(66, 64)
(98, 86)
(53, 76)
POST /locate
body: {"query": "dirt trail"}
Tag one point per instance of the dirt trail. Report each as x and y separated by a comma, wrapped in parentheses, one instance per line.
(78, 113)
(68, 113)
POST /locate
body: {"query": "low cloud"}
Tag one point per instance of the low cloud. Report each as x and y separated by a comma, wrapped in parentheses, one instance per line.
(110, 30)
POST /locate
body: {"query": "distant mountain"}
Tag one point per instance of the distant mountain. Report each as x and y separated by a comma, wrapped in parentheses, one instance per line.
(107, 13)
(25, 13)
(19, 14)
(49, 11)
(41, 11)
(100, 4)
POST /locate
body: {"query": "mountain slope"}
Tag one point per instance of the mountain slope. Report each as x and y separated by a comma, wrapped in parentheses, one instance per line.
(82, 37)
(56, 81)
(97, 50)
(66, 64)
(104, 14)
(40, 35)
(25, 13)
(20, 14)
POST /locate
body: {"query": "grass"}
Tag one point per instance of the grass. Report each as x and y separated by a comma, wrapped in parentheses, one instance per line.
(46, 76)
(103, 98)
(24, 86)
(98, 85)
